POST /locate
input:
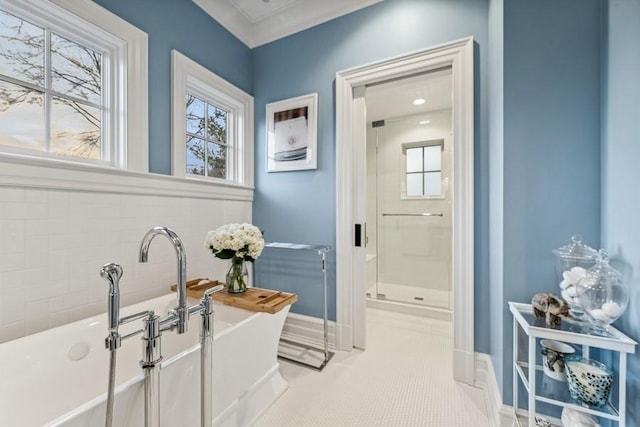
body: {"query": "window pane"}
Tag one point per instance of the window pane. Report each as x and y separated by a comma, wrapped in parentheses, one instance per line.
(414, 184)
(75, 129)
(195, 156)
(217, 160)
(76, 70)
(195, 115)
(217, 130)
(21, 49)
(414, 159)
(21, 117)
(433, 158)
(432, 184)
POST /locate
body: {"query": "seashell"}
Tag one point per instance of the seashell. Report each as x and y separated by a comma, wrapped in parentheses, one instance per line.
(572, 291)
(565, 296)
(573, 418)
(564, 284)
(612, 309)
(569, 277)
(599, 314)
(578, 271)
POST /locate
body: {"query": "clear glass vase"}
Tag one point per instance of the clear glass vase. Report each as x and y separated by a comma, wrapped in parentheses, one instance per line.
(572, 262)
(603, 295)
(237, 276)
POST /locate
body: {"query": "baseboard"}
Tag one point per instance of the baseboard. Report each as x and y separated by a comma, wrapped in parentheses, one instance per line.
(308, 330)
(412, 309)
(463, 366)
(485, 378)
(500, 415)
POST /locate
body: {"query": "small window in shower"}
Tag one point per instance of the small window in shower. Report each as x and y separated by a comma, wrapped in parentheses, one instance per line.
(423, 169)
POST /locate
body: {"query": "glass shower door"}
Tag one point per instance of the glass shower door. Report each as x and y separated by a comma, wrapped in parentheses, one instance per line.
(414, 258)
(413, 232)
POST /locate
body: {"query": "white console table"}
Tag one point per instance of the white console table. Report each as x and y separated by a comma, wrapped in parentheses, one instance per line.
(570, 331)
(322, 252)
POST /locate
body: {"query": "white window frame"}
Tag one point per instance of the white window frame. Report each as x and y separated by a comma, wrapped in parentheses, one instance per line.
(190, 77)
(128, 129)
(403, 185)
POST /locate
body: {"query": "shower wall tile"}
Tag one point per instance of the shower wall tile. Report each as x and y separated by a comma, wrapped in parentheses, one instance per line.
(53, 243)
(12, 331)
(13, 304)
(36, 196)
(37, 227)
(8, 194)
(37, 252)
(37, 316)
(60, 318)
(12, 233)
(12, 261)
(12, 210)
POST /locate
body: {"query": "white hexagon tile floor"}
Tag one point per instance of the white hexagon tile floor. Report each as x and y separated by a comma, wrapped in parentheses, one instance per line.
(404, 378)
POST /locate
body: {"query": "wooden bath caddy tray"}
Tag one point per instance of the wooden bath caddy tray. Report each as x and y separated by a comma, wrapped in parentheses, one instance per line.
(254, 299)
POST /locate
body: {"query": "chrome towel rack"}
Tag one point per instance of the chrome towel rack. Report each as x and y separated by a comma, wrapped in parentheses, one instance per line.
(322, 251)
(413, 214)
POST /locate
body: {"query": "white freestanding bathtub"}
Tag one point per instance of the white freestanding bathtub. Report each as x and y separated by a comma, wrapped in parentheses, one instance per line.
(59, 377)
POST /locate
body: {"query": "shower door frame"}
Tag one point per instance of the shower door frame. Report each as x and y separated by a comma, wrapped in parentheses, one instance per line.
(351, 193)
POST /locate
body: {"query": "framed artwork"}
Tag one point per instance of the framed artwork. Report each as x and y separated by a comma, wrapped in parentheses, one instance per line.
(292, 134)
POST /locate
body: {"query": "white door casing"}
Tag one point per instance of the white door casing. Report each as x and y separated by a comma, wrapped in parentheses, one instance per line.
(351, 193)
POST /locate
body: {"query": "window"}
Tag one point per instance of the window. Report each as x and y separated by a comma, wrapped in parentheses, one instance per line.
(212, 125)
(207, 142)
(423, 169)
(64, 84)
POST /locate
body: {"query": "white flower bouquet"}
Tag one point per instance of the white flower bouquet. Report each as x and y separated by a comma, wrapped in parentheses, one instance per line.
(236, 241)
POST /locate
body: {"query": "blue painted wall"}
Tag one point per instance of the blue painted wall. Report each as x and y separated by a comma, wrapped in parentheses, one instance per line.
(181, 25)
(620, 171)
(300, 206)
(551, 144)
(496, 183)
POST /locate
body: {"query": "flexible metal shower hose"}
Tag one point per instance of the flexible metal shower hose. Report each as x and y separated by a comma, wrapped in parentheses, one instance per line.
(110, 391)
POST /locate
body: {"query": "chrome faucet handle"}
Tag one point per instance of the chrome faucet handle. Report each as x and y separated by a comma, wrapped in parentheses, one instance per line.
(206, 303)
(112, 273)
(213, 290)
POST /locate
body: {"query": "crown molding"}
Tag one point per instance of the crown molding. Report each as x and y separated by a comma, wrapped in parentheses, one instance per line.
(285, 21)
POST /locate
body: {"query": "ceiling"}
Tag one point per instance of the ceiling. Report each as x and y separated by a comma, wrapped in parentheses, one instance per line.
(257, 22)
(395, 98)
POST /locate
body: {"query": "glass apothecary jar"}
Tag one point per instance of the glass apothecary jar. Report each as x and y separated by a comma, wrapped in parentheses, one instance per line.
(572, 262)
(602, 294)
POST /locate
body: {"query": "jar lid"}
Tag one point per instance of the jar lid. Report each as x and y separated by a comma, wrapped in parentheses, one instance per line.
(602, 270)
(576, 250)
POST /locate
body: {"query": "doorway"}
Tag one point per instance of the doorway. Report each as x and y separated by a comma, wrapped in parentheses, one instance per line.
(351, 199)
(408, 164)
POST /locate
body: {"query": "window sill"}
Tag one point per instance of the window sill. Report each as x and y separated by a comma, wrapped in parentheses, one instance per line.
(32, 172)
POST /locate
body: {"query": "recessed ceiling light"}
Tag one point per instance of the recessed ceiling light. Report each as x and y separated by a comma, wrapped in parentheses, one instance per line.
(419, 101)
(424, 122)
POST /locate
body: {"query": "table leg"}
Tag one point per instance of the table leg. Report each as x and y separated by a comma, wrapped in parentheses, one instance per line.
(532, 381)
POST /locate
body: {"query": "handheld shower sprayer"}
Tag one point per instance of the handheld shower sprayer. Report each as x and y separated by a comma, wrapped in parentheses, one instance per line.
(112, 273)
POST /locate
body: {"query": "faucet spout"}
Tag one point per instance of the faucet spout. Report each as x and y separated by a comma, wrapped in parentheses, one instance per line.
(181, 310)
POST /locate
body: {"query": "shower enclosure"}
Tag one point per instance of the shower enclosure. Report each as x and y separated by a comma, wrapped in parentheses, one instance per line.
(409, 227)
